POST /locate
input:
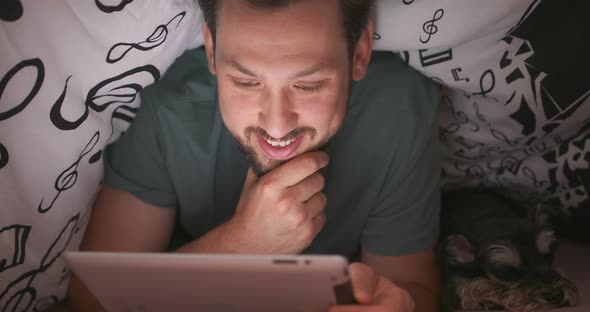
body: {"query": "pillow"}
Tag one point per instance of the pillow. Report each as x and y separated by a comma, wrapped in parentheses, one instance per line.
(70, 72)
(516, 111)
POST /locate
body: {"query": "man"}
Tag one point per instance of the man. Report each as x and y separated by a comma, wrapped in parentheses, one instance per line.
(332, 166)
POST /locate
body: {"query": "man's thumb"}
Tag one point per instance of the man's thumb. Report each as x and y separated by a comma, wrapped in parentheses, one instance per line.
(364, 282)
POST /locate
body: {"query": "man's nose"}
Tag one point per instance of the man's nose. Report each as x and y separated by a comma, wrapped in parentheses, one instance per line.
(277, 115)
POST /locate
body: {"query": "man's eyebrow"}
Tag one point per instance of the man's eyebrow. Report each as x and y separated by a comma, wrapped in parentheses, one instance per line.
(242, 69)
(307, 72)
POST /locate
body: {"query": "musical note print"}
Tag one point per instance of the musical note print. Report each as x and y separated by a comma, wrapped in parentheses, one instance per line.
(119, 89)
(468, 145)
(479, 115)
(429, 57)
(456, 72)
(429, 27)
(112, 8)
(68, 177)
(65, 275)
(500, 136)
(3, 156)
(475, 151)
(473, 170)
(111, 91)
(505, 163)
(157, 38)
(35, 63)
(11, 10)
(407, 2)
(20, 293)
(460, 118)
(123, 113)
(487, 82)
(55, 113)
(376, 36)
(13, 255)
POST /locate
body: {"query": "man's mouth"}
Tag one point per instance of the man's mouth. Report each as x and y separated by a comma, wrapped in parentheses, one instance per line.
(279, 149)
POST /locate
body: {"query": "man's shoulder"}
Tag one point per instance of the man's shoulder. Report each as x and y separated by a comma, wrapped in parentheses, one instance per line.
(183, 104)
(393, 85)
(392, 117)
(393, 96)
(187, 85)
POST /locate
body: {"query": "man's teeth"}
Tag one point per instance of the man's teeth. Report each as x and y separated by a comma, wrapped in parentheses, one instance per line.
(278, 143)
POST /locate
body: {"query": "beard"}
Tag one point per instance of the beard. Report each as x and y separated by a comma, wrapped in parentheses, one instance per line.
(263, 166)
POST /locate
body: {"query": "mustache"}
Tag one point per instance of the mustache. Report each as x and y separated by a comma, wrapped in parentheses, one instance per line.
(289, 136)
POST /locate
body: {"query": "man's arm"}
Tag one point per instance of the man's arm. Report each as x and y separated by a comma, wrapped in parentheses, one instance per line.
(280, 212)
(416, 273)
(121, 222)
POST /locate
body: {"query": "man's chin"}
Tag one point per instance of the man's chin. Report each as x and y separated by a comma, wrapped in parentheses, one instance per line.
(261, 168)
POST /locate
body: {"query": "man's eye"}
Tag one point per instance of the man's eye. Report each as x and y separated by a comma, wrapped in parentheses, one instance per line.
(246, 84)
(308, 88)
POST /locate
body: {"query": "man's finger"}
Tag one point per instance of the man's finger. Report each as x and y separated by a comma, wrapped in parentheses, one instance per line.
(318, 222)
(385, 295)
(389, 294)
(308, 187)
(299, 168)
(315, 205)
(364, 282)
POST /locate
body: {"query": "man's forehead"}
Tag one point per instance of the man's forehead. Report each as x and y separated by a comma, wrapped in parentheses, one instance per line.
(309, 25)
(266, 7)
(264, 4)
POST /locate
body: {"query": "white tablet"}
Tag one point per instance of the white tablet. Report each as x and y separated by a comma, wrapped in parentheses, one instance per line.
(213, 282)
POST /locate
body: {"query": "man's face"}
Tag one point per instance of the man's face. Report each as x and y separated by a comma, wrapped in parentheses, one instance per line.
(283, 77)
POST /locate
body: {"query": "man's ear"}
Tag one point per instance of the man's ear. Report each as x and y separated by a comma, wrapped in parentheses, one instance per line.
(209, 47)
(362, 53)
(459, 250)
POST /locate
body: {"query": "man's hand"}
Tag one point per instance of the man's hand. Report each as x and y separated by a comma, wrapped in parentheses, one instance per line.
(282, 211)
(375, 293)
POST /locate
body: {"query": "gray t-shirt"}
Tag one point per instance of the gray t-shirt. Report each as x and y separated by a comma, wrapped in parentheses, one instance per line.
(382, 183)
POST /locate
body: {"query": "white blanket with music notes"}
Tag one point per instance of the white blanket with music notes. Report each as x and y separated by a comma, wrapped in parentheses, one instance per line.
(515, 115)
(70, 72)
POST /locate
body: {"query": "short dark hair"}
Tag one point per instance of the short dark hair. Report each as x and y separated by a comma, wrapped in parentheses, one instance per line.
(355, 15)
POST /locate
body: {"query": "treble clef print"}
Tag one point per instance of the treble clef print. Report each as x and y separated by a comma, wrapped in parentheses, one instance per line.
(500, 136)
(68, 177)
(430, 27)
(21, 294)
(479, 115)
(460, 118)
